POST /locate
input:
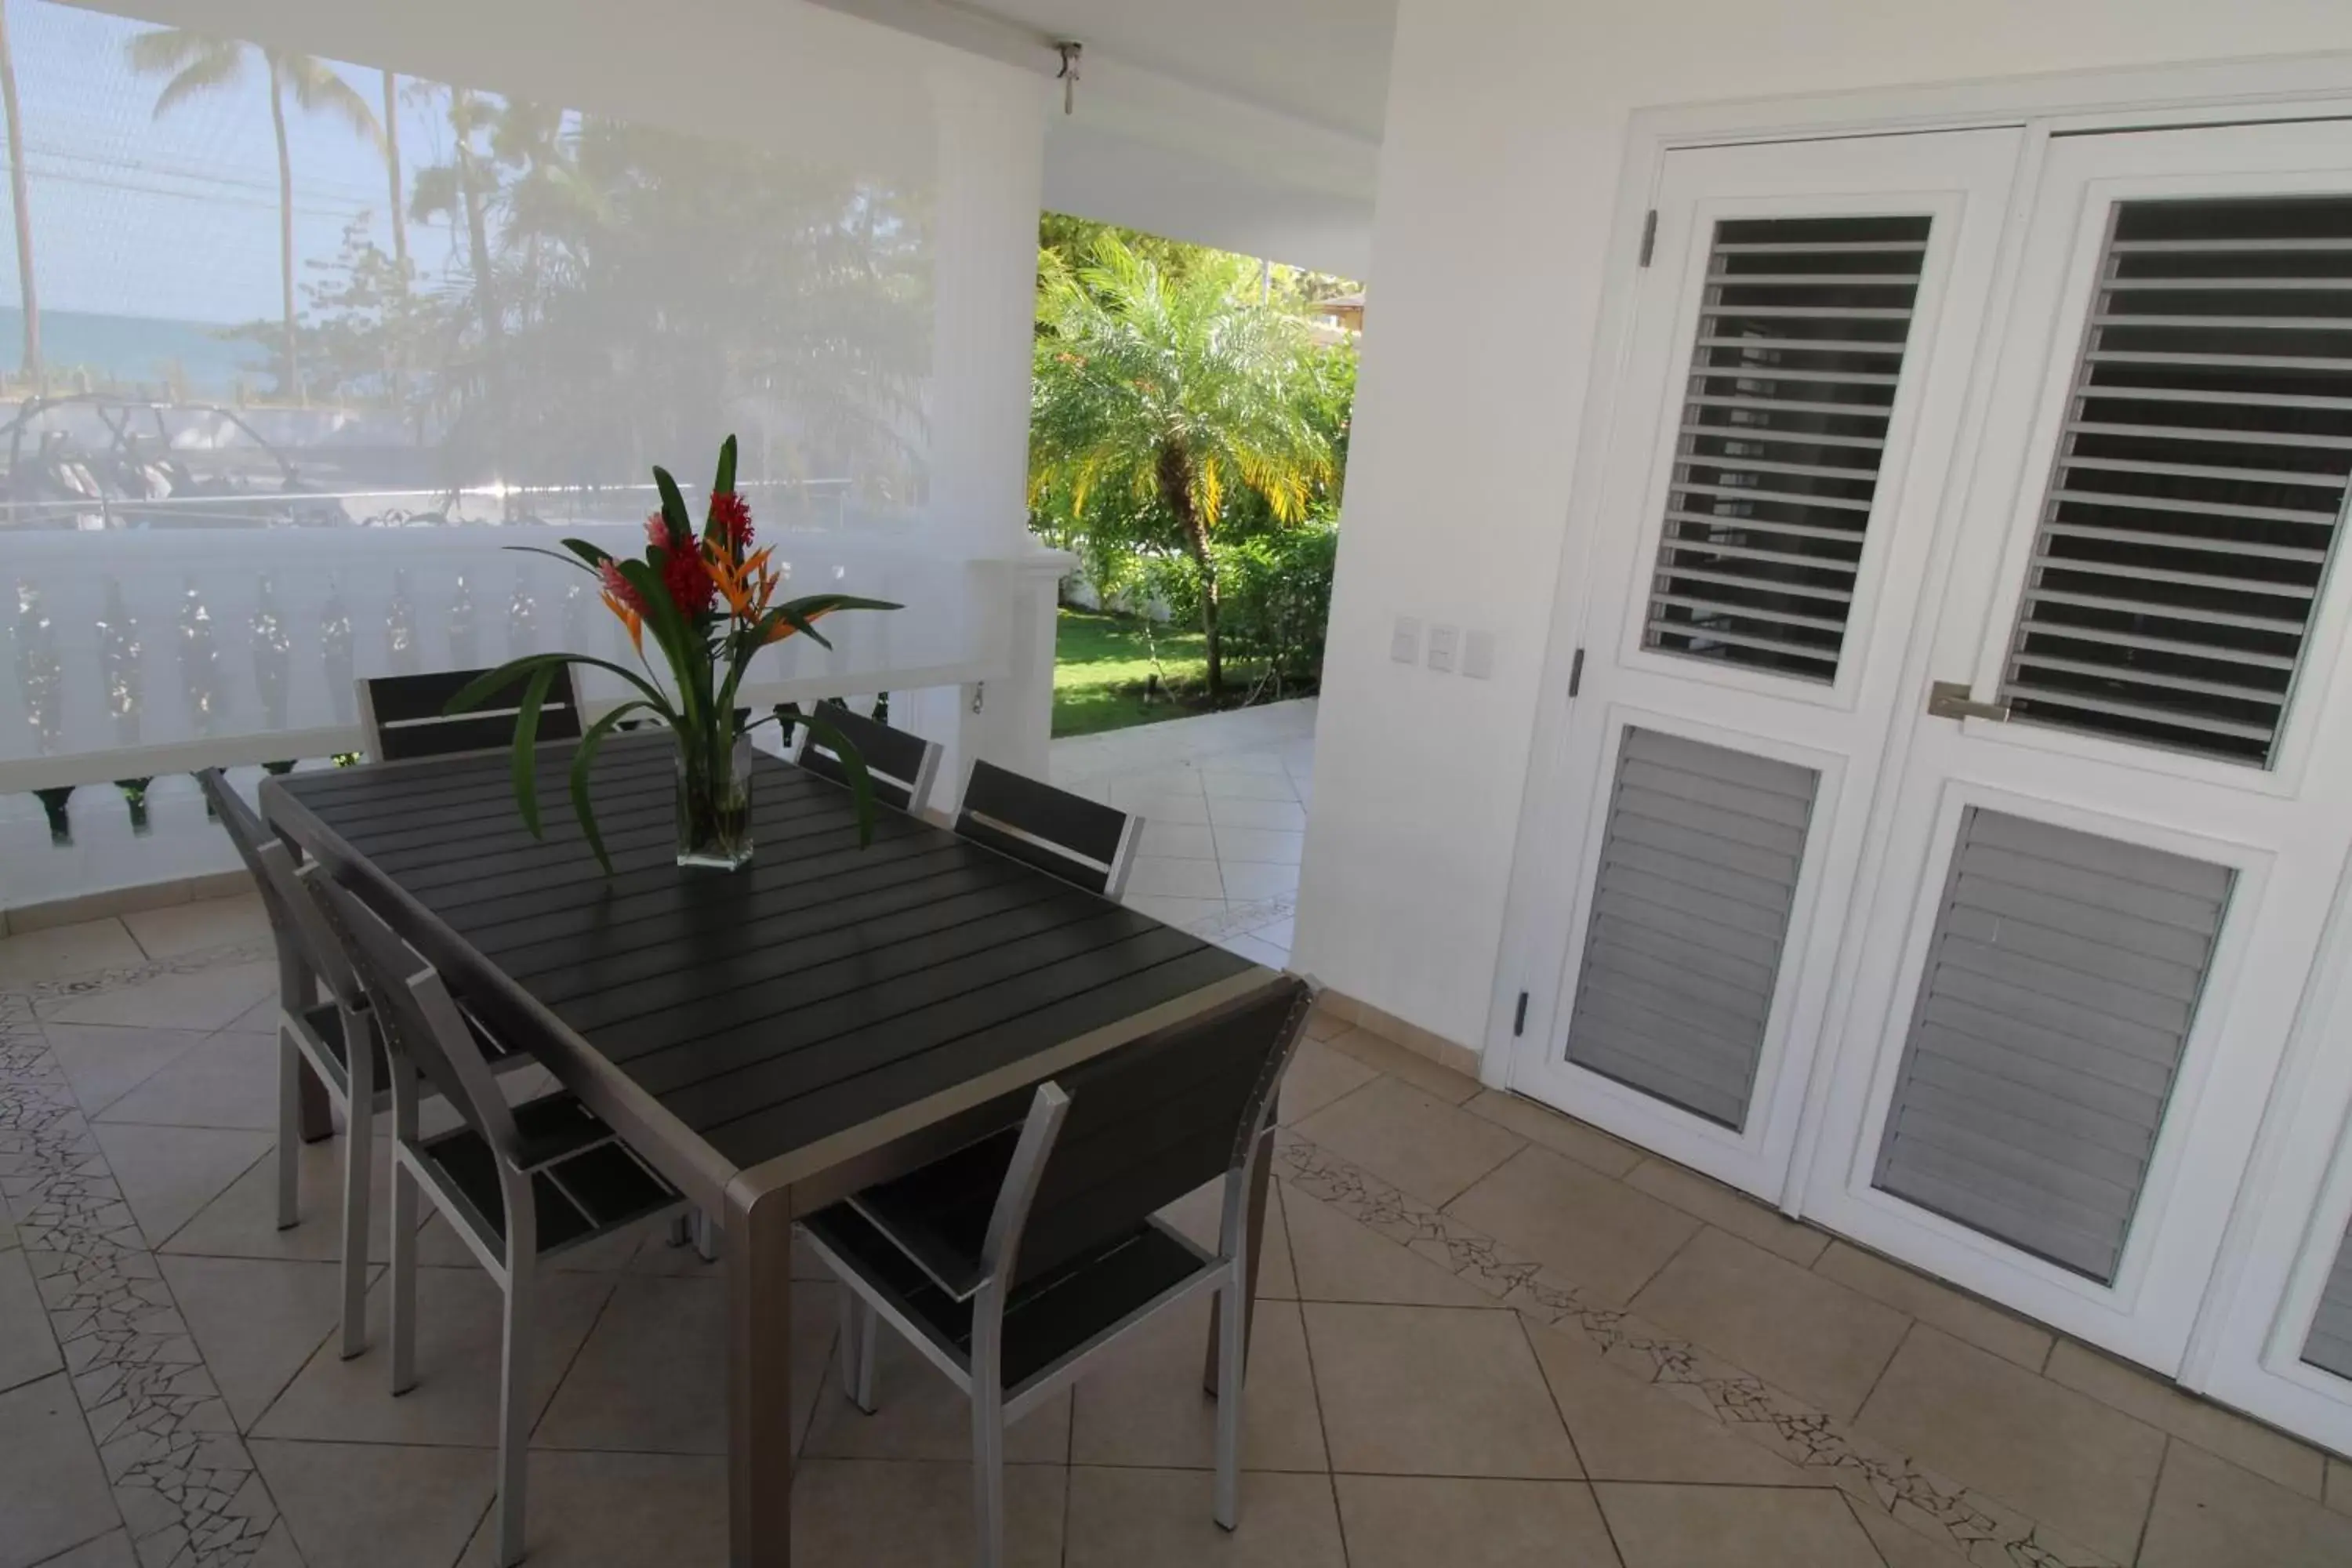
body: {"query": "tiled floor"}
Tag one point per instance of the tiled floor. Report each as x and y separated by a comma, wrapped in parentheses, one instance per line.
(1488, 1337)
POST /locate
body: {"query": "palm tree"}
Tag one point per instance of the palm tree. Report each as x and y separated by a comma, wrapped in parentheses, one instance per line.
(392, 167)
(17, 198)
(1181, 392)
(198, 63)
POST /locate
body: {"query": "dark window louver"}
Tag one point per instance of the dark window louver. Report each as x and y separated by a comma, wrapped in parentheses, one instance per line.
(1793, 380)
(2200, 479)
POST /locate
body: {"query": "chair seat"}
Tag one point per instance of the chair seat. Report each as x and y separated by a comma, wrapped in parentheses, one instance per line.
(1047, 1320)
(937, 1215)
(325, 1022)
(584, 1182)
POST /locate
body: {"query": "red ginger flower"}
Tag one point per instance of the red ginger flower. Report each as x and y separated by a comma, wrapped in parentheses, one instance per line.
(687, 578)
(618, 589)
(730, 519)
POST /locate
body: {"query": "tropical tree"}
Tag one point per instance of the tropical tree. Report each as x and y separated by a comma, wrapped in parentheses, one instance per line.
(399, 208)
(198, 63)
(1174, 398)
(17, 181)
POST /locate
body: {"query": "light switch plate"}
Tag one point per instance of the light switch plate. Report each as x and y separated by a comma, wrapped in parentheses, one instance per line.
(1442, 643)
(1478, 654)
(1404, 640)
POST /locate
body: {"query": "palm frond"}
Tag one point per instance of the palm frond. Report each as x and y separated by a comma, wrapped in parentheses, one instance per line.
(318, 88)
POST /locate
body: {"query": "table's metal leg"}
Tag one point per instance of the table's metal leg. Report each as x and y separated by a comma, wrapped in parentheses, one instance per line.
(1259, 1178)
(758, 1263)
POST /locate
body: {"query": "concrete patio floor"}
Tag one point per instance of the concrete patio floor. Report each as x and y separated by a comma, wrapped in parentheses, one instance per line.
(1489, 1337)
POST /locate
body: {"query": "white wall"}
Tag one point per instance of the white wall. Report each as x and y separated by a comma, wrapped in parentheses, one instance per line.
(1506, 126)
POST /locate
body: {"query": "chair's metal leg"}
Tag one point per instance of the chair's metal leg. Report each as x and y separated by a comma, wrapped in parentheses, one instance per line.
(403, 1278)
(859, 1322)
(290, 1129)
(1232, 1342)
(514, 1379)
(988, 1469)
(706, 1237)
(359, 1157)
(1260, 1176)
(681, 1228)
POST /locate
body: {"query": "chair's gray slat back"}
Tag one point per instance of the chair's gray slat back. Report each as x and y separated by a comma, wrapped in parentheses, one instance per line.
(2060, 987)
(413, 1009)
(1076, 839)
(900, 765)
(293, 914)
(1153, 1121)
(404, 719)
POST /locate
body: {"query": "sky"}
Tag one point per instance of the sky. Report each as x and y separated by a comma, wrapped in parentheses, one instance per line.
(177, 218)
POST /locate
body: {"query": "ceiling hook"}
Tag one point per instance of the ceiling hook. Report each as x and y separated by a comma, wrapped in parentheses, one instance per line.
(1069, 49)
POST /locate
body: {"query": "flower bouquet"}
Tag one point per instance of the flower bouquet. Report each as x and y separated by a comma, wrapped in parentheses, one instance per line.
(708, 600)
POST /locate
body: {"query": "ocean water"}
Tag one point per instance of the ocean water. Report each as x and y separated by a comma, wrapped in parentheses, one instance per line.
(138, 349)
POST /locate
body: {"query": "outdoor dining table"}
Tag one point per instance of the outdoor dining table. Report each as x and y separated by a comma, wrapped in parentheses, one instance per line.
(768, 1039)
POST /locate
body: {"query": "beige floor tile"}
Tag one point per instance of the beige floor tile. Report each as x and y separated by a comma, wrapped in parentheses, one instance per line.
(920, 1415)
(1898, 1543)
(256, 1322)
(1272, 846)
(2271, 1455)
(1317, 1076)
(229, 1080)
(1604, 1236)
(1182, 807)
(28, 1349)
(1400, 1522)
(1728, 1210)
(242, 1222)
(53, 1491)
(1626, 1430)
(1962, 1316)
(112, 1550)
(876, 1513)
(2082, 1468)
(618, 1510)
(1201, 1216)
(1183, 913)
(178, 929)
(1274, 816)
(261, 1018)
(2339, 1485)
(1810, 1336)
(361, 1505)
(1247, 882)
(168, 1174)
(105, 1064)
(1166, 877)
(1337, 1259)
(1177, 840)
(456, 1400)
(1144, 1404)
(205, 999)
(653, 1374)
(59, 951)
(1322, 1024)
(1755, 1527)
(1561, 1134)
(1421, 1072)
(2211, 1514)
(1410, 1139)
(1162, 1519)
(1435, 1391)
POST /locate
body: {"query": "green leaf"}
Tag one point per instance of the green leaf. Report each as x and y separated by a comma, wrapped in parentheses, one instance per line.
(861, 784)
(725, 482)
(552, 555)
(526, 747)
(582, 760)
(672, 507)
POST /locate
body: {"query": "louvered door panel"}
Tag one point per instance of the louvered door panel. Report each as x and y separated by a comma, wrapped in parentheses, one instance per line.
(1698, 867)
(2061, 984)
(1799, 349)
(2200, 477)
(2329, 1344)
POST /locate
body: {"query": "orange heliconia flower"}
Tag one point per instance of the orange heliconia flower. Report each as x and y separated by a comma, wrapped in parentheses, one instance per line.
(784, 629)
(630, 618)
(747, 587)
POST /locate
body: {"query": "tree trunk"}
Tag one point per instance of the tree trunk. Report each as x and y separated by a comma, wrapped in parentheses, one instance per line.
(1175, 476)
(286, 231)
(17, 197)
(392, 168)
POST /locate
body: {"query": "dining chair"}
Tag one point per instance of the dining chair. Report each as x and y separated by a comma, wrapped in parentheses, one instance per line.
(402, 717)
(899, 764)
(1017, 1262)
(1068, 835)
(322, 1034)
(518, 1183)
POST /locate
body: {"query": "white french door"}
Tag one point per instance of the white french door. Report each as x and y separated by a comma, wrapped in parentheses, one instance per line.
(2115, 839)
(1803, 345)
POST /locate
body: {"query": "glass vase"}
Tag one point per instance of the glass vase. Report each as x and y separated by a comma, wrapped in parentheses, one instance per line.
(714, 802)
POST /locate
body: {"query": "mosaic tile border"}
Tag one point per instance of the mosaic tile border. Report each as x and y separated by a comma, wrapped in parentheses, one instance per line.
(1982, 1529)
(186, 1485)
(1243, 917)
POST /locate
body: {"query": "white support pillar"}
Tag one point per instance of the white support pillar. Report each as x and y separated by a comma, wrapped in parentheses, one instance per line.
(1008, 720)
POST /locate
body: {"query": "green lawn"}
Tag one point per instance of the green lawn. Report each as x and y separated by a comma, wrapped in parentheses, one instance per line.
(1101, 664)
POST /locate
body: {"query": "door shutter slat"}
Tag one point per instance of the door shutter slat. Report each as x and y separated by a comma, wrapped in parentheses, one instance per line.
(1691, 903)
(2200, 477)
(2329, 1346)
(2050, 1026)
(1794, 368)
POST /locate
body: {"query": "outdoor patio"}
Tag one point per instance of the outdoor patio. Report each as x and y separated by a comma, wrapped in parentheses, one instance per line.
(1488, 1335)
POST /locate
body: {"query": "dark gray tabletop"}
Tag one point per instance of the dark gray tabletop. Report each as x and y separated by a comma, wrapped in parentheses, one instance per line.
(823, 988)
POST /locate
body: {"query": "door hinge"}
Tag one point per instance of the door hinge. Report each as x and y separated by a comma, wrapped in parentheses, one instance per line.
(1950, 700)
(1576, 674)
(1519, 1019)
(1649, 236)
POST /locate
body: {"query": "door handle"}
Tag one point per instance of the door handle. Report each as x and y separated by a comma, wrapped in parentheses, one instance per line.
(1950, 700)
